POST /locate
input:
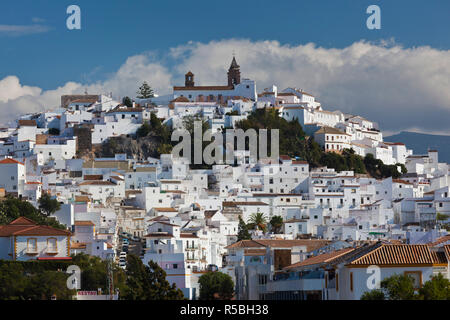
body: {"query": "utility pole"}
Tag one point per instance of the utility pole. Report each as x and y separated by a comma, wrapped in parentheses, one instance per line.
(110, 276)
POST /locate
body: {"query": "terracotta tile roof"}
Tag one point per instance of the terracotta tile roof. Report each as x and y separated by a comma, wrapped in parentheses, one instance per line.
(441, 240)
(243, 203)
(167, 223)
(165, 209)
(180, 99)
(22, 221)
(439, 257)
(210, 213)
(401, 181)
(97, 183)
(299, 162)
(159, 235)
(206, 88)
(397, 254)
(311, 244)
(132, 110)
(29, 123)
(330, 130)
(82, 199)
(447, 251)
(84, 223)
(10, 161)
(323, 258)
(254, 252)
(160, 218)
(77, 245)
(187, 235)
(26, 227)
(93, 177)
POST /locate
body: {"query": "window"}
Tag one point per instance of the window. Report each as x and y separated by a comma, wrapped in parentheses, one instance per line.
(337, 282)
(262, 279)
(417, 278)
(32, 245)
(52, 245)
(175, 266)
(351, 281)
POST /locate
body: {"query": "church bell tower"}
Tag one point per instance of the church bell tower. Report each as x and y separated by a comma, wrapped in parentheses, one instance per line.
(189, 79)
(234, 73)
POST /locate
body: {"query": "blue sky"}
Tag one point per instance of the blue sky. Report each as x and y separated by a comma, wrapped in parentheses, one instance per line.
(398, 76)
(114, 30)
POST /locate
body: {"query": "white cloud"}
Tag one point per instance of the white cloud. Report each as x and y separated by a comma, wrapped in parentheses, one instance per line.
(399, 87)
(20, 30)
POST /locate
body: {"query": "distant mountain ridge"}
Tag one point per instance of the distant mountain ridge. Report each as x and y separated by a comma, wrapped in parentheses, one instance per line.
(421, 142)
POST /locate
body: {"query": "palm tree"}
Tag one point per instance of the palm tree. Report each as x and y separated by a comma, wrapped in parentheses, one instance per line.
(276, 223)
(258, 221)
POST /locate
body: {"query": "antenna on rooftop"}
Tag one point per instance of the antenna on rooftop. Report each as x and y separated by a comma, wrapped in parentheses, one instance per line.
(85, 91)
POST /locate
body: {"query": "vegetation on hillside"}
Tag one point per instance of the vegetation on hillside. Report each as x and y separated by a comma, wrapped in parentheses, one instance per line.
(401, 287)
(154, 138)
(295, 143)
(216, 286)
(13, 208)
(40, 280)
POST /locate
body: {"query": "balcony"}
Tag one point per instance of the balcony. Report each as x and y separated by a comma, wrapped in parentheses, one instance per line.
(32, 252)
(51, 251)
(191, 248)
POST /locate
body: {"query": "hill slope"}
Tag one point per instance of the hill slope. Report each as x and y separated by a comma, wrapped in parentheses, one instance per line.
(421, 142)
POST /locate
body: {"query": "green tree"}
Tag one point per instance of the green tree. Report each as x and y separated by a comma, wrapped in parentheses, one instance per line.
(46, 284)
(143, 130)
(48, 205)
(53, 131)
(145, 91)
(13, 208)
(12, 282)
(437, 288)
(216, 286)
(399, 287)
(127, 102)
(148, 282)
(396, 287)
(243, 233)
(276, 223)
(441, 216)
(373, 295)
(258, 221)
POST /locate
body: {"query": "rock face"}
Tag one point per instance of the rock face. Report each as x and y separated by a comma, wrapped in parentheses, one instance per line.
(137, 148)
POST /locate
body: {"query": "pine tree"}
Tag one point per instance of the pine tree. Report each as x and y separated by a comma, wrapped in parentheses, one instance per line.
(243, 233)
(145, 91)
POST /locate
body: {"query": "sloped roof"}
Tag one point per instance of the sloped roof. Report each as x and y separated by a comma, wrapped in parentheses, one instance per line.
(397, 254)
(311, 244)
(10, 161)
(84, 223)
(26, 227)
(330, 130)
(322, 258)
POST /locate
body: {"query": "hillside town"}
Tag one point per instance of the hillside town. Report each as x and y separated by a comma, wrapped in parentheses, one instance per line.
(282, 230)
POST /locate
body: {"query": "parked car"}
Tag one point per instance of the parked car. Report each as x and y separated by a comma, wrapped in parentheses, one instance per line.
(134, 238)
(123, 254)
(125, 249)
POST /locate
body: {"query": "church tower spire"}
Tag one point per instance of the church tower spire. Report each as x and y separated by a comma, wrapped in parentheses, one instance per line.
(234, 73)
